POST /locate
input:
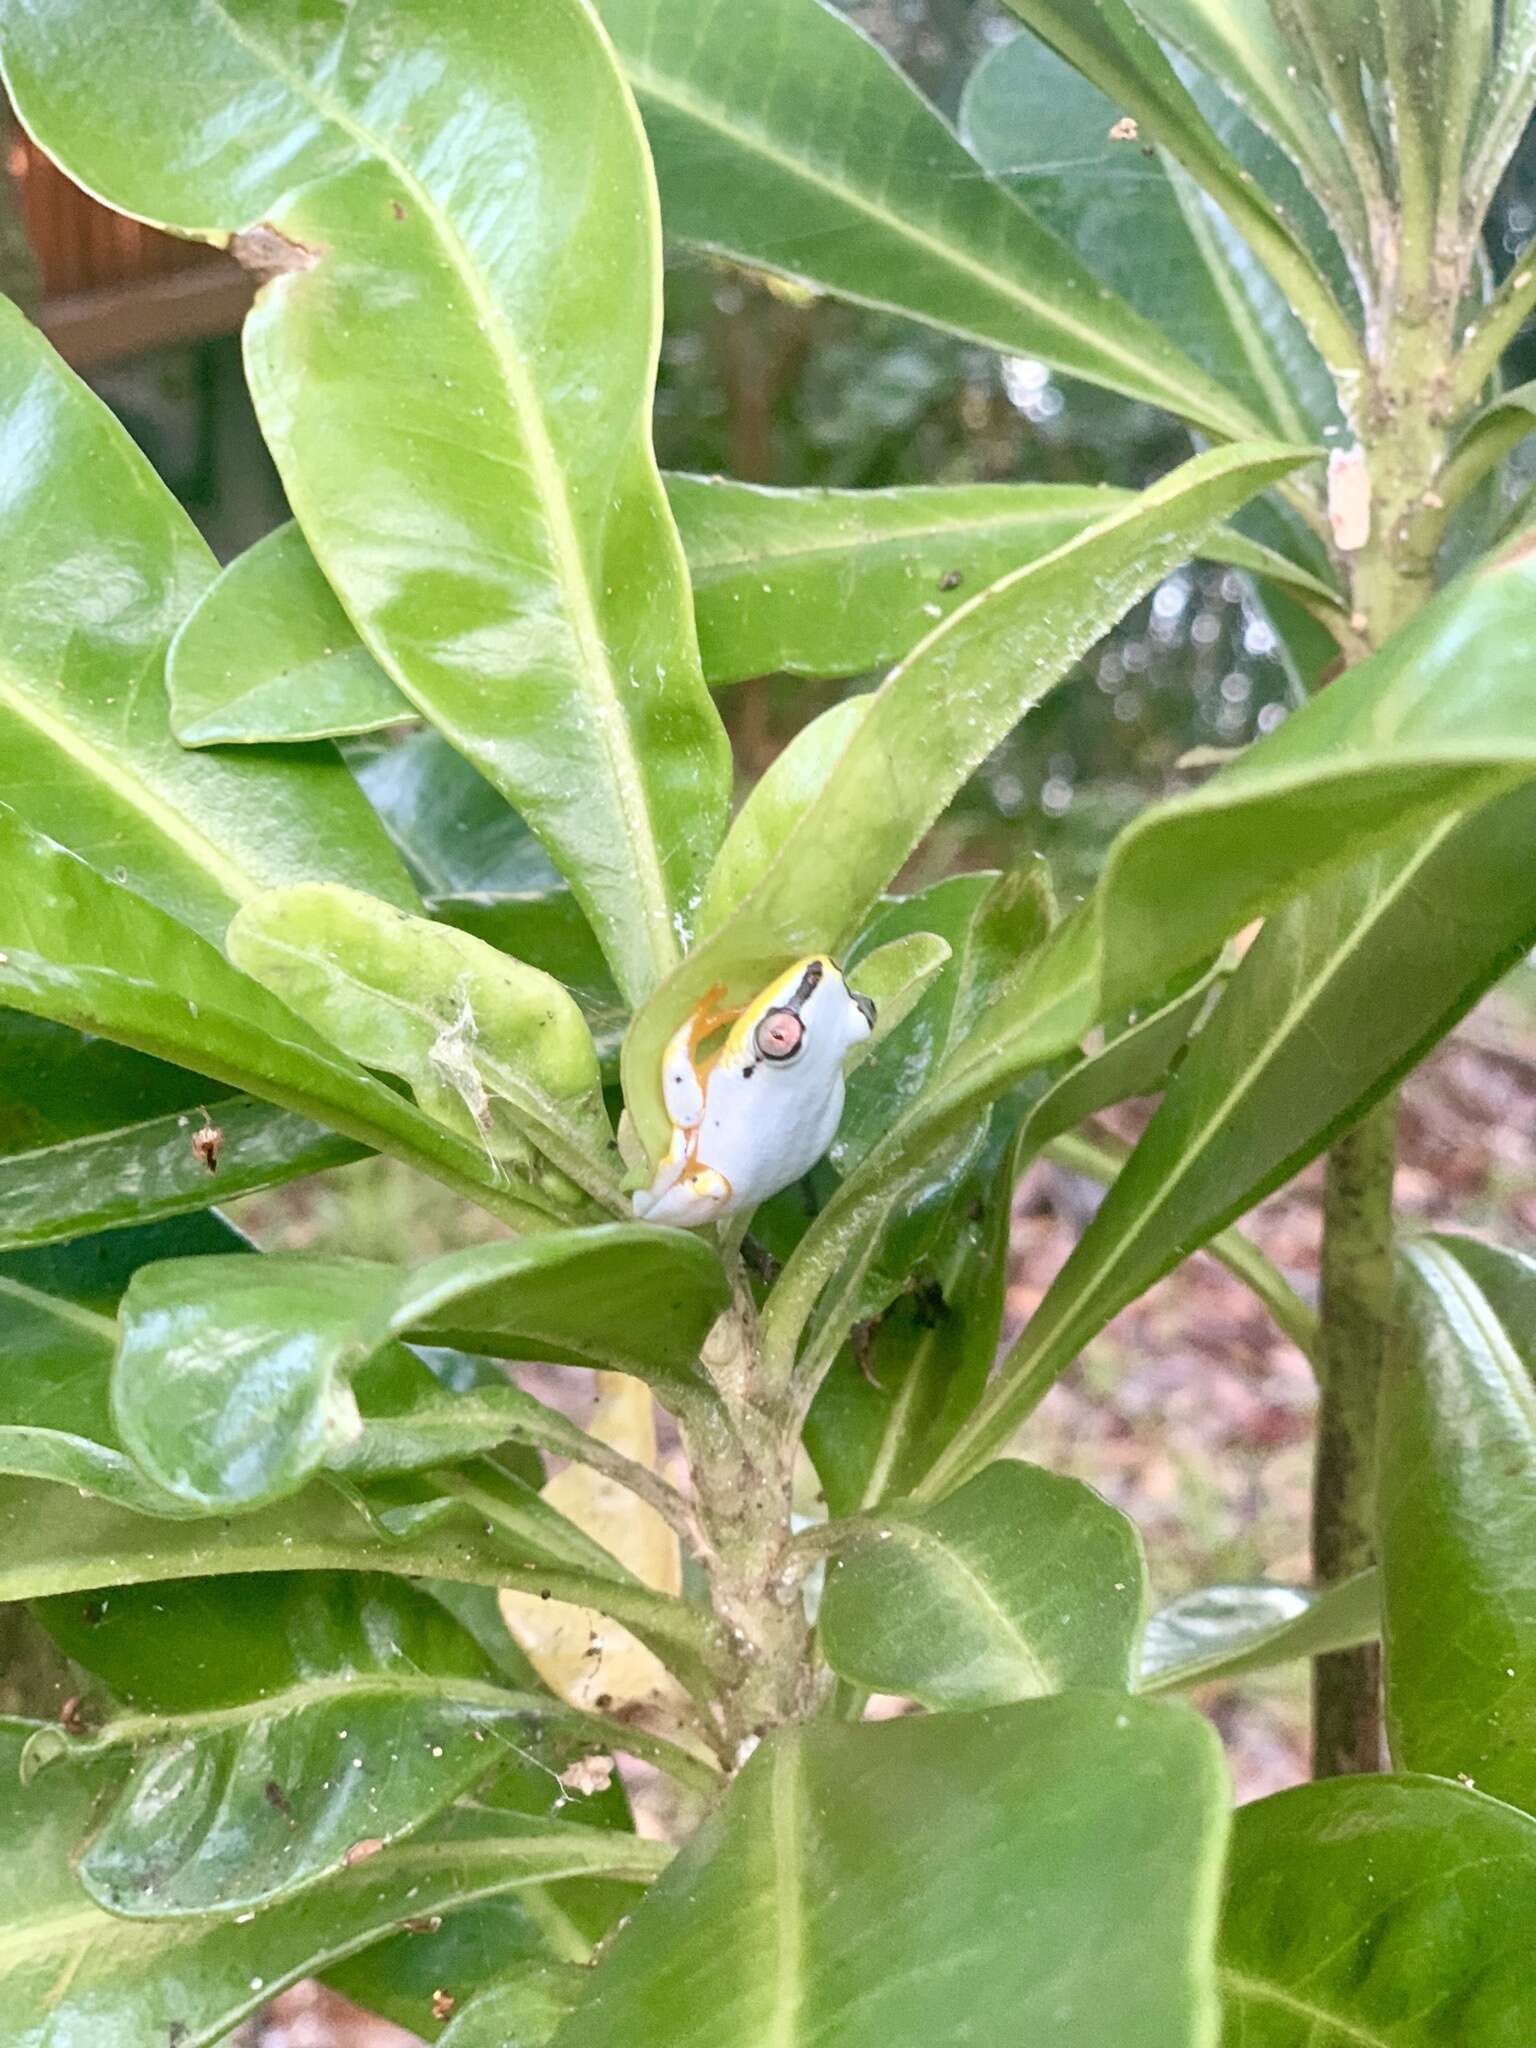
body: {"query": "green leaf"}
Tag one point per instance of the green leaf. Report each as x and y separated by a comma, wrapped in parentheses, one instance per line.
(1280, 79)
(1406, 941)
(1436, 721)
(476, 1526)
(941, 712)
(1110, 46)
(1457, 1517)
(103, 564)
(1221, 1632)
(268, 653)
(232, 1384)
(1035, 1872)
(455, 833)
(879, 1417)
(1137, 219)
(506, 551)
(1022, 1583)
(1379, 1913)
(787, 140)
(812, 582)
(71, 1979)
(491, 1048)
(1498, 429)
(59, 1337)
(523, 2013)
(81, 951)
(92, 1135)
(775, 809)
(832, 583)
(278, 1733)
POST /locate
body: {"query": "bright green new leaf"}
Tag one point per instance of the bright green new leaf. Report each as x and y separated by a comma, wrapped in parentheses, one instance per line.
(527, 2010)
(1379, 1913)
(275, 1733)
(1339, 995)
(72, 1976)
(1022, 1583)
(102, 564)
(776, 809)
(938, 715)
(786, 139)
(233, 1381)
(267, 652)
(1037, 1872)
(81, 951)
(492, 1049)
(433, 224)
(1221, 1632)
(1457, 1517)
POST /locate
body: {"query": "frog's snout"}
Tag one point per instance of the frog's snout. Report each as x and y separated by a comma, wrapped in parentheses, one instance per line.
(865, 1005)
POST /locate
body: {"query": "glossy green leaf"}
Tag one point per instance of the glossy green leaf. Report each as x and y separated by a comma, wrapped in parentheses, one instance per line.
(1136, 219)
(808, 582)
(775, 809)
(1022, 1583)
(74, 1977)
(525, 1940)
(454, 831)
(103, 565)
(545, 929)
(1457, 1517)
(491, 1048)
(1379, 1913)
(268, 653)
(340, 1710)
(831, 583)
(58, 1336)
(80, 950)
(1439, 719)
(1111, 46)
(890, 1400)
(787, 140)
(233, 1381)
(1044, 1871)
(475, 1525)
(1303, 1040)
(1221, 1632)
(940, 712)
(92, 1135)
(506, 550)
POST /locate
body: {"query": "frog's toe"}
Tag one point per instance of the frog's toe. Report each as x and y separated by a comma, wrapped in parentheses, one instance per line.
(696, 1197)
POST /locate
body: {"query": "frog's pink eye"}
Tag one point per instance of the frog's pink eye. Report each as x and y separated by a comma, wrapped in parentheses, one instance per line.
(779, 1035)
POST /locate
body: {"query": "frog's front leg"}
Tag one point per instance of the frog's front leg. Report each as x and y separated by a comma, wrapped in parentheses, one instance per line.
(682, 1192)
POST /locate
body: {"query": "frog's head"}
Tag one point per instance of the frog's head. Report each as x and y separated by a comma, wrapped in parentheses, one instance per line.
(801, 1026)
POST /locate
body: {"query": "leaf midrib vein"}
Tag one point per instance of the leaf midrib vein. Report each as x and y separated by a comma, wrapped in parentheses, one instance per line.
(565, 546)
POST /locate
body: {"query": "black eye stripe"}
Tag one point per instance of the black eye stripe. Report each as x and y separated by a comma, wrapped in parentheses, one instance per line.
(810, 981)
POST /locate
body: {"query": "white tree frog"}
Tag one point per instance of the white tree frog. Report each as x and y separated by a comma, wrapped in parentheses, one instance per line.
(755, 1115)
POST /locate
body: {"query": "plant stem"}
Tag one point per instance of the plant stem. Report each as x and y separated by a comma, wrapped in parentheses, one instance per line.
(1354, 1330)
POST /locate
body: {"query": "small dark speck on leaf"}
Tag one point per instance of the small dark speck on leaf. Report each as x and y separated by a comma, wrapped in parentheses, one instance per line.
(397, 209)
(175, 2034)
(951, 579)
(274, 1795)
